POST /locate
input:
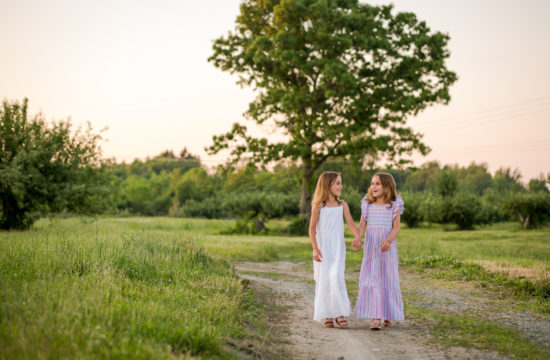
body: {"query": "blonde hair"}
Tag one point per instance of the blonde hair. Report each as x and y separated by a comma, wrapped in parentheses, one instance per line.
(388, 184)
(322, 190)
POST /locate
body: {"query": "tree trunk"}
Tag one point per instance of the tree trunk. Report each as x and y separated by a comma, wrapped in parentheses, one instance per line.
(305, 202)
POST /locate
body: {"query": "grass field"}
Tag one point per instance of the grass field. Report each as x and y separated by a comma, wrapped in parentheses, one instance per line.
(165, 287)
(72, 289)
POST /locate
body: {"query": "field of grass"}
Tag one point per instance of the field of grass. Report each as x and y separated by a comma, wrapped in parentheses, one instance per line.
(73, 289)
(165, 287)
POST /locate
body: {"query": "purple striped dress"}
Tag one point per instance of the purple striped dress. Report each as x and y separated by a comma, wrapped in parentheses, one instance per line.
(379, 292)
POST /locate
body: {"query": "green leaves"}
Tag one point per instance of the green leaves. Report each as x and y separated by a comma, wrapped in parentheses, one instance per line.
(339, 78)
(46, 167)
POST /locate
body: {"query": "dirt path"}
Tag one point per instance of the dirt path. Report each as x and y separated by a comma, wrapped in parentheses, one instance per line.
(310, 340)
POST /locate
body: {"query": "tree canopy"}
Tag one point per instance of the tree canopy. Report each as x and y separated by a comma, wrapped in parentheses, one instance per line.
(46, 167)
(338, 78)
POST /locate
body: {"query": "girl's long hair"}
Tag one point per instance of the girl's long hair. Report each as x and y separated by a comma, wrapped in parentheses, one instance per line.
(322, 190)
(388, 184)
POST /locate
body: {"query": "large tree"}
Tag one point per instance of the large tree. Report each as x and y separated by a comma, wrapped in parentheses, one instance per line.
(338, 78)
(46, 167)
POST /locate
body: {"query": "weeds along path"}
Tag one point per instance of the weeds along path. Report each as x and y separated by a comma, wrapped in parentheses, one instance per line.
(310, 340)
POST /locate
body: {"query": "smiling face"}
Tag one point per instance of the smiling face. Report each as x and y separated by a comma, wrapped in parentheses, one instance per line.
(376, 187)
(336, 187)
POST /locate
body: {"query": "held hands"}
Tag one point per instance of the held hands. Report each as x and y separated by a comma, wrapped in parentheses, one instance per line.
(385, 245)
(356, 243)
(317, 256)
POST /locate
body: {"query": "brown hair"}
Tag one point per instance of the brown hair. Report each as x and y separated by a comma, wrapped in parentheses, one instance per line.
(322, 190)
(388, 184)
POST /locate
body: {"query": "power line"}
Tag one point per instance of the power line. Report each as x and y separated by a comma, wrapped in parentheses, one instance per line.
(479, 113)
(532, 142)
(479, 119)
(461, 126)
(500, 152)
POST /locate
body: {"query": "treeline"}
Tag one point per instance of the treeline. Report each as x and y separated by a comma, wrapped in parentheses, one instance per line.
(52, 168)
(466, 196)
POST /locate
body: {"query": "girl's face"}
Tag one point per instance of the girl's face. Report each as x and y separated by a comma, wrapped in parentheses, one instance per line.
(336, 187)
(376, 187)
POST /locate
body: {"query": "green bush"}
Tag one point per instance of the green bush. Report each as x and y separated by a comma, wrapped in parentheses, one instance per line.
(492, 205)
(412, 216)
(250, 223)
(463, 209)
(209, 208)
(430, 208)
(239, 204)
(447, 183)
(299, 226)
(532, 209)
(353, 199)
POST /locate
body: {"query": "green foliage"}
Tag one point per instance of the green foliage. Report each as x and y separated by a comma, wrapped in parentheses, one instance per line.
(238, 204)
(340, 78)
(430, 208)
(250, 223)
(463, 209)
(194, 185)
(353, 198)
(299, 226)
(165, 162)
(233, 193)
(412, 216)
(46, 168)
(532, 209)
(447, 183)
(493, 207)
(146, 196)
(474, 179)
(506, 181)
(423, 178)
(538, 185)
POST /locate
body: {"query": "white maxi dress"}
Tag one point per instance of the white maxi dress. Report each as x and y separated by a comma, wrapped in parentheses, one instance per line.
(331, 296)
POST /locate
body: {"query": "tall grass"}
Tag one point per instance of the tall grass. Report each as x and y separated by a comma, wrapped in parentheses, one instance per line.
(86, 290)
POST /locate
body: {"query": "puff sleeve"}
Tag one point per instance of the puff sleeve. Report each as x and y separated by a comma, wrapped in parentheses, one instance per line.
(364, 207)
(398, 206)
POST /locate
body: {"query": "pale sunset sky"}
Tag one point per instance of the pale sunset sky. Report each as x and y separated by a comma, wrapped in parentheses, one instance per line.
(140, 69)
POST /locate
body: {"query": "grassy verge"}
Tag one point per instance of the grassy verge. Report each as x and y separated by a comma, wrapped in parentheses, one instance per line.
(84, 290)
(453, 329)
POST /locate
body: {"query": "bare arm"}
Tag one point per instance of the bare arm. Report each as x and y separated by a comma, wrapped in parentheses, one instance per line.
(395, 230)
(362, 227)
(360, 233)
(349, 220)
(313, 232)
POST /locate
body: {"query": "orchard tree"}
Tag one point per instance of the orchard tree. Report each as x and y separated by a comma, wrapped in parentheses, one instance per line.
(46, 168)
(338, 78)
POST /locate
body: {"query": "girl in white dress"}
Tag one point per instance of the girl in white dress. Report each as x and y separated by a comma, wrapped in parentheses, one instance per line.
(326, 232)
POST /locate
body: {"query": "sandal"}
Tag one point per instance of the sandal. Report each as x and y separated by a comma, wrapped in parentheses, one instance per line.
(375, 324)
(387, 323)
(341, 322)
(329, 322)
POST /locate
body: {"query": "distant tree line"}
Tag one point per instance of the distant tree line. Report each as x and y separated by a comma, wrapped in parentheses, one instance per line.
(54, 169)
(465, 196)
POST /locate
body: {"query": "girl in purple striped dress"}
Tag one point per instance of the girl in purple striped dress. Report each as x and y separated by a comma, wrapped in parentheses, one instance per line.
(379, 295)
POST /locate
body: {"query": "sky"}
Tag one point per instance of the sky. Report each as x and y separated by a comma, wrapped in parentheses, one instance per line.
(140, 70)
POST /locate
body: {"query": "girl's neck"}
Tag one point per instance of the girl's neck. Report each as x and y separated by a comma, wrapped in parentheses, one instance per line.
(332, 200)
(379, 201)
